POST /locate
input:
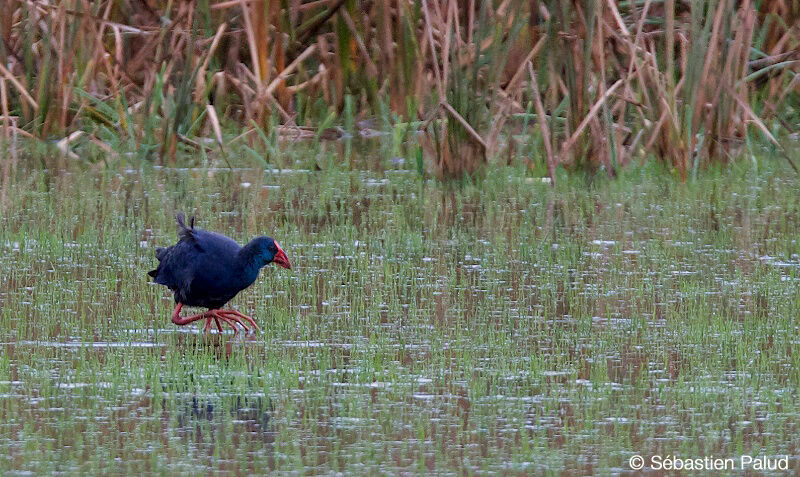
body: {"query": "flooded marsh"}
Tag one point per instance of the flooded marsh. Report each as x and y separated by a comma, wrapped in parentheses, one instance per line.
(501, 327)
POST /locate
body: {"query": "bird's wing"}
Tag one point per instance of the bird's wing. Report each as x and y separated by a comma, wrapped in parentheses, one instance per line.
(176, 267)
(212, 284)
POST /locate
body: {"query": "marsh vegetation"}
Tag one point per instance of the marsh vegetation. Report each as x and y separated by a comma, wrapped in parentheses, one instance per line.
(503, 328)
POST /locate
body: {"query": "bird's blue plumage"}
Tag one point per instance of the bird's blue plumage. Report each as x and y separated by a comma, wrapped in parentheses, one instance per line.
(208, 269)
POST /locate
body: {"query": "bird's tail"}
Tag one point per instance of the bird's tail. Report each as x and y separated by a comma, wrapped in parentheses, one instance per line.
(181, 219)
(185, 232)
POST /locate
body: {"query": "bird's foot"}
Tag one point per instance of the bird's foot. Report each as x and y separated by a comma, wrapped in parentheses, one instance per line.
(230, 317)
(209, 320)
(236, 317)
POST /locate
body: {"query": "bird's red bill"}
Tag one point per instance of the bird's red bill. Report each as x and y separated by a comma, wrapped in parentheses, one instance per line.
(281, 259)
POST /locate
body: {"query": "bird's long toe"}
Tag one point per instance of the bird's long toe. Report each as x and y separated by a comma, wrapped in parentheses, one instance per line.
(209, 321)
(237, 320)
(241, 318)
(221, 315)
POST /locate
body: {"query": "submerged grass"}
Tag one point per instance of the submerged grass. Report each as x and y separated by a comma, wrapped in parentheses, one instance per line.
(501, 328)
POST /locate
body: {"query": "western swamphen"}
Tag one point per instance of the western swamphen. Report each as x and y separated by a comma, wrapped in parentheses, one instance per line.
(207, 269)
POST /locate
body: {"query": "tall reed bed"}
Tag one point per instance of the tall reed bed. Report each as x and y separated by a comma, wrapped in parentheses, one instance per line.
(592, 85)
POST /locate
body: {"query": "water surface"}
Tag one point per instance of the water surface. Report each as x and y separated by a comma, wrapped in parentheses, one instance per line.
(501, 327)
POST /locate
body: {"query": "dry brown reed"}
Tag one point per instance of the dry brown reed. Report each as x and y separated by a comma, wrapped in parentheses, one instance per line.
(599, 82)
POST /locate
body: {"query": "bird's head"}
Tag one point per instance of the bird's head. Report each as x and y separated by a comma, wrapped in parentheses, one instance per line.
(271, 252)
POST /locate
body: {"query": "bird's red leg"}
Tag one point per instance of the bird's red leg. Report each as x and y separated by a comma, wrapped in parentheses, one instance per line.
(238, 317)
(176, 316)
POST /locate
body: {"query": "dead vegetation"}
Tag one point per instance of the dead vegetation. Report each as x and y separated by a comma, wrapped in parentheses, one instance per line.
(592, 84)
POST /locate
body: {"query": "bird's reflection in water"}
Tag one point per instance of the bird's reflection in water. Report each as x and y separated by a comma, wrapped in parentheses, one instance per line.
(250, 411)
(222, 346)
(229, 428)
(216, 414)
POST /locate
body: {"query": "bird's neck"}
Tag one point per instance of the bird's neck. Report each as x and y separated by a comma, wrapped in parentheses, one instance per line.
(251, 261)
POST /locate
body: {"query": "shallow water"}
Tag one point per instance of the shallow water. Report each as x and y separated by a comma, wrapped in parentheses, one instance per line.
(503, 327)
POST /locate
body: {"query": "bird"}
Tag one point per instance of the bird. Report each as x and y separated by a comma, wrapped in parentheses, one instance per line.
(207, 269)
